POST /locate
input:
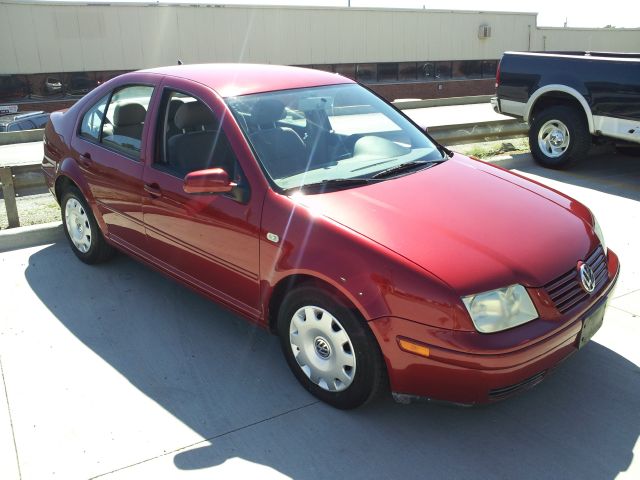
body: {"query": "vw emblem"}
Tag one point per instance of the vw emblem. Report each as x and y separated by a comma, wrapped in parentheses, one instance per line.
(587, 278)
(322, 347)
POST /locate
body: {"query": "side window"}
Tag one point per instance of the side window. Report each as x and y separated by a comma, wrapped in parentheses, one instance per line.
(124, 119)
(92, 120)
(190, 138)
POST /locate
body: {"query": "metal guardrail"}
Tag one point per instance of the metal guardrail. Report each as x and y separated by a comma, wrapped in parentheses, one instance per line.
(23, 136)
(25, 180)
(20, 181)
(478, 132)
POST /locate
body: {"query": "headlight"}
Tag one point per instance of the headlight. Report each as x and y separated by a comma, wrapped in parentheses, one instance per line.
(598, 231)
(500, 309)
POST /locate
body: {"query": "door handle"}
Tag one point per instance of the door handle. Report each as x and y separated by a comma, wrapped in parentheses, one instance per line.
(153, 189)
(85, 160)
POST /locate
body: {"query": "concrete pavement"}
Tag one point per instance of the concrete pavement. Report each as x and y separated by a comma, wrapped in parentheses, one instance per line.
(455, 114)
(118, 372)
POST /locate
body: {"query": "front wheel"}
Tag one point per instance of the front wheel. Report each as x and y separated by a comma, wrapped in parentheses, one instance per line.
(329, 348)
(559, 136)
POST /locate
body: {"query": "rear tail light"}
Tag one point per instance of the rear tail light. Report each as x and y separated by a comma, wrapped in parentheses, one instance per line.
(498, 74)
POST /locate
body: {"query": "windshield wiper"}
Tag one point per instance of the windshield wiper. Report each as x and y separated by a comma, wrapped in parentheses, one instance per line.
(445, 151)
(331, 184)
(405, 167)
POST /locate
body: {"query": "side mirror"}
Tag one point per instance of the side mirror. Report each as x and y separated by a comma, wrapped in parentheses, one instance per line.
(212, 180)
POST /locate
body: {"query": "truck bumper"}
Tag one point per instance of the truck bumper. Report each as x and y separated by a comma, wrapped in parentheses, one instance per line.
(495, 103)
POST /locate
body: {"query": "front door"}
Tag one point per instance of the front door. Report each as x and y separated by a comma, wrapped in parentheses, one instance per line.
(209, 240)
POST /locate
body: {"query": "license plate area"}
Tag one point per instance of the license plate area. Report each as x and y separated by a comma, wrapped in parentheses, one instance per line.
(591, 324)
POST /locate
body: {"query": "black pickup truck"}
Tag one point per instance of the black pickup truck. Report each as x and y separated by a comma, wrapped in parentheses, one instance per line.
(570, 99)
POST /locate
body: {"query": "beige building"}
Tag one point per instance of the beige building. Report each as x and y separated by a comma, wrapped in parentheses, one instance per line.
(410, 53)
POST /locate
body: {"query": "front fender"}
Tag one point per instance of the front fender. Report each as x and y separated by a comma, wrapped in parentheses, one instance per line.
(377, 281)
(556, 87)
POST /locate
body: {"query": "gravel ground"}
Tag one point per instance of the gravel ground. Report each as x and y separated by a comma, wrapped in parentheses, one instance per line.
(32, 210)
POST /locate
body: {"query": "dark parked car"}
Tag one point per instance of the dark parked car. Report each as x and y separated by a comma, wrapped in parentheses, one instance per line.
(313, 208)
(52, 86)
(14, 122)
(569, 99)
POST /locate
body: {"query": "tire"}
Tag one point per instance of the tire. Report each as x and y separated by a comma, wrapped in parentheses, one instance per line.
(337, 358)
(559, 136)
(81, 229)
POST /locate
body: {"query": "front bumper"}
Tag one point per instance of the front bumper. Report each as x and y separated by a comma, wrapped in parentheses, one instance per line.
(470, 367)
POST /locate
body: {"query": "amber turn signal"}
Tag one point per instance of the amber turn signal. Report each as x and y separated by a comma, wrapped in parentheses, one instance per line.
(413, 347)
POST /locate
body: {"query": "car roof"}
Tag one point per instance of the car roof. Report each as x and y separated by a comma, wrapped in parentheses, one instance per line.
(11, 117)
(232, 79)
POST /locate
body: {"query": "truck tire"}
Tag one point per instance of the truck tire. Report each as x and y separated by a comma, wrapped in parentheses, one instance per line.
(559, 136)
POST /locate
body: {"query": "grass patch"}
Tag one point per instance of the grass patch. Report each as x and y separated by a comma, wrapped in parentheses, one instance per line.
(488, 150)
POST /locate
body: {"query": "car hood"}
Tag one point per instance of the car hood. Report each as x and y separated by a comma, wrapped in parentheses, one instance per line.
(473, 225)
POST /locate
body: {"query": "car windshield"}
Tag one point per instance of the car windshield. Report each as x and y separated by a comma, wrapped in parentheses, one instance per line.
(330, 134)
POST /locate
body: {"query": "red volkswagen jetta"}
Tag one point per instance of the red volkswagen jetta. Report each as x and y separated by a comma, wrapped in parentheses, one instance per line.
(310, 206)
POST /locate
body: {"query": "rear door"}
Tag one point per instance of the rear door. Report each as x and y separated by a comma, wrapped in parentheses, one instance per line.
(110, 150)
(208, 240)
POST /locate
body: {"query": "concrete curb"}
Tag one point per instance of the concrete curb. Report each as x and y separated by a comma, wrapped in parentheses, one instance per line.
(408, 104)
(479, 132)
(24, 136)
(31, 236)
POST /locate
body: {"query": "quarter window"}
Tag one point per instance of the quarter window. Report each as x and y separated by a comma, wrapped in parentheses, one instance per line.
(92, 120)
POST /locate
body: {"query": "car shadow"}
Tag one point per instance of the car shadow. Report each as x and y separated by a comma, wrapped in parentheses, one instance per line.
(603, 169)
(226, 380)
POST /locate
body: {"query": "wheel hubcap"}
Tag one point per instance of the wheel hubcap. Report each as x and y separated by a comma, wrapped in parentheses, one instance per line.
(78, 225)
(322, 348)
(553, 138)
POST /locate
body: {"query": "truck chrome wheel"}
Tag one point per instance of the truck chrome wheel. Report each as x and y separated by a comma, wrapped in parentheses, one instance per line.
(78, 225)
(553, 138)
(322, 348)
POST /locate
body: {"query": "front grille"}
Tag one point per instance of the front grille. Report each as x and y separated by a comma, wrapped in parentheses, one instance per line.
(566, 291)
(504, 392)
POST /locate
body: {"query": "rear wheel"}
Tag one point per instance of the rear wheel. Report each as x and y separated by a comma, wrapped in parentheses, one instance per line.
(81, 229)
(558, 136)
(329, 348)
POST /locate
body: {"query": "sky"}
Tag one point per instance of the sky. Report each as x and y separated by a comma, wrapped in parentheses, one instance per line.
(552, 13)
